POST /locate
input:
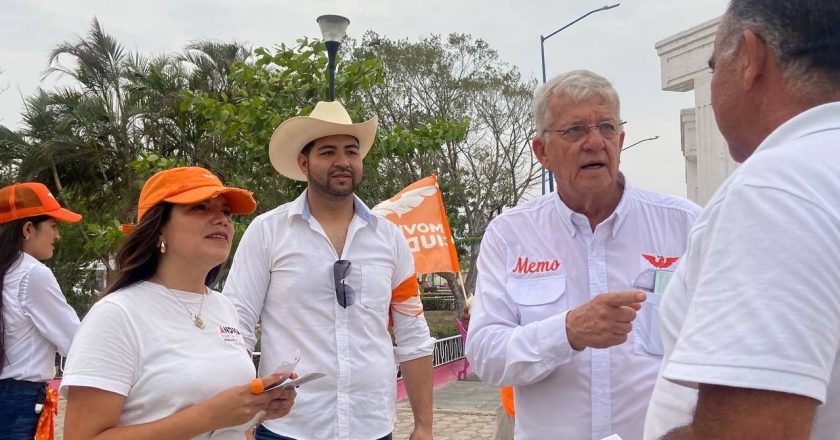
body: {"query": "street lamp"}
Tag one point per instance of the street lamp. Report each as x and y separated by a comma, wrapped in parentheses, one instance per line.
(333, 29)
(637, 143)
(542, 59)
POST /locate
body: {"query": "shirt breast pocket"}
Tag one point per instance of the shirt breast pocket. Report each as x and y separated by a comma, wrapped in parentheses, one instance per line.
(538, 298)
(375, 293)
(648, 334)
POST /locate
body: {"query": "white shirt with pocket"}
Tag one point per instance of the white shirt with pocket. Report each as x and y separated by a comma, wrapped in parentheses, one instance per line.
(538, 261)
(282, 274)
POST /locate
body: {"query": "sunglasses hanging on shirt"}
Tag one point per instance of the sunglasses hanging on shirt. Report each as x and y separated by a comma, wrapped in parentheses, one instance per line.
(344, 293)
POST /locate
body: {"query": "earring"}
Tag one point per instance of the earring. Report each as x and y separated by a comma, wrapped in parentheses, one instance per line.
(162, 247)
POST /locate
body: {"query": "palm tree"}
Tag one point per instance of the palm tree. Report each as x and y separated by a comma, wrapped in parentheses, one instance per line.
(97, 116)
(210, 62)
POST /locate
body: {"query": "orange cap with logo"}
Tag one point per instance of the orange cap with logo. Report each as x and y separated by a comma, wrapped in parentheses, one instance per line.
(31, 199)
(186, 185)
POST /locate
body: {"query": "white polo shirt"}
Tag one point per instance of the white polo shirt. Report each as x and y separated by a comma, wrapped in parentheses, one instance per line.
(538, 261)
(756, 303)
(37, 321)
(283, 274)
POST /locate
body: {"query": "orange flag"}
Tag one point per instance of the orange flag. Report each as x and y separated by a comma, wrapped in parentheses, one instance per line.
(419, 213)
(46, 422)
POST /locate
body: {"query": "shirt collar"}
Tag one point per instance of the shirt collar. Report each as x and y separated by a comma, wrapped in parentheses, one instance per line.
(300, 208)
(620, 213)
(565, 214)
(814, 120)
(575, 222)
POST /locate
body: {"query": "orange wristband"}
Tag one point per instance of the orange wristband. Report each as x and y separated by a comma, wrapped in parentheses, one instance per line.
(257, 386)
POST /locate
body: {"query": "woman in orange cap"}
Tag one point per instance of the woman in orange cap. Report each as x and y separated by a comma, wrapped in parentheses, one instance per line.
(36, 319)
(161, 355)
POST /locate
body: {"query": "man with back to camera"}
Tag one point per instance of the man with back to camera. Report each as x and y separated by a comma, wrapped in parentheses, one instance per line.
(751, 320)
(555, 314)
(326, 276)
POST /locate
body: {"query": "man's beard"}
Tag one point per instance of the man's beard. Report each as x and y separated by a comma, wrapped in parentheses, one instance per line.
(326, 187)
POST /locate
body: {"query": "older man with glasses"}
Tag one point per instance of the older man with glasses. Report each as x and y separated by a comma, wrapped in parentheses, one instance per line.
(556, 313)
(329, 278)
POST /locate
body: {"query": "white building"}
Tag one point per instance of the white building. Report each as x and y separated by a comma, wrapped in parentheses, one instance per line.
(684, 64)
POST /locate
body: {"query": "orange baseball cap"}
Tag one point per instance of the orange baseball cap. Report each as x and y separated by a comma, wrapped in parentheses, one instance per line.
(186, 185)
(30, 199)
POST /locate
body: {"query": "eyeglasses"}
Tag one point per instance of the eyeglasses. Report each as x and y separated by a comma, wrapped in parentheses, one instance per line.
(344, 294)
(575, 133)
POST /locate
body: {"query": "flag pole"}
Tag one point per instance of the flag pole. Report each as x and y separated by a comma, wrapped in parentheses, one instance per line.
(461, 282)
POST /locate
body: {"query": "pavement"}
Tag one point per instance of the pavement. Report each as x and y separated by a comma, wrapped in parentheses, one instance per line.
(463, 410)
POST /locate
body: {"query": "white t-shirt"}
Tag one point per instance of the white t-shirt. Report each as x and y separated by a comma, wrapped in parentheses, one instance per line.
(37, 321)
(756, 301)
(140, 342)
(538, 261)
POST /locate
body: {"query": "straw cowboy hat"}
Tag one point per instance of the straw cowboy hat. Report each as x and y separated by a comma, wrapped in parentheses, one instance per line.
(327, 119)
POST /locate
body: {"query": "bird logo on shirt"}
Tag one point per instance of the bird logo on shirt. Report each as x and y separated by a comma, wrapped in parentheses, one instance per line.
(404, 203)
(659, 261)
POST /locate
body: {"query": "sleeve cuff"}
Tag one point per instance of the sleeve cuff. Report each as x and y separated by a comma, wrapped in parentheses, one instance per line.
(403, 354)
(92, 382)
(754, 378)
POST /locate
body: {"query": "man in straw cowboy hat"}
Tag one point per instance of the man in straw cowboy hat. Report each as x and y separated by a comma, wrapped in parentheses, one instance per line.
(329, 278)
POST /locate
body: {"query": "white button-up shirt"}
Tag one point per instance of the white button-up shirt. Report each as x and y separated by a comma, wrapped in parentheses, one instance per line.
(539, 260)
(37, 321)
(283, 273)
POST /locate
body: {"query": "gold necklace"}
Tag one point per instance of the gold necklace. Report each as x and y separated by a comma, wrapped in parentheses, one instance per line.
(195, 317)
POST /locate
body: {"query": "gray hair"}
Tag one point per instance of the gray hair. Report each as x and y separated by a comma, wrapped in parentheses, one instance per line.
(577, 85)
(803, 36)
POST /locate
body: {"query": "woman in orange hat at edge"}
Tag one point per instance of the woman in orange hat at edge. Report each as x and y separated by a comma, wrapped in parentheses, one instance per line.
(160, 355)
(35, 319)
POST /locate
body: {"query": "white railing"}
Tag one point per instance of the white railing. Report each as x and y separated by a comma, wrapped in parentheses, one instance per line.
(448, 350)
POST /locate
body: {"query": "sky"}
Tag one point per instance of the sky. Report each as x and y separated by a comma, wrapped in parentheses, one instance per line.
(618, 44)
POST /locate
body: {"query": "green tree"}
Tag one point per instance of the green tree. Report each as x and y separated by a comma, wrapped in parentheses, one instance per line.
(485, 167)
(81, 140)
(125, 116)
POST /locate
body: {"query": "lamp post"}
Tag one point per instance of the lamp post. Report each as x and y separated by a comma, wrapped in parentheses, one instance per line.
(333, 29)
(639, 142)
(542, 59)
